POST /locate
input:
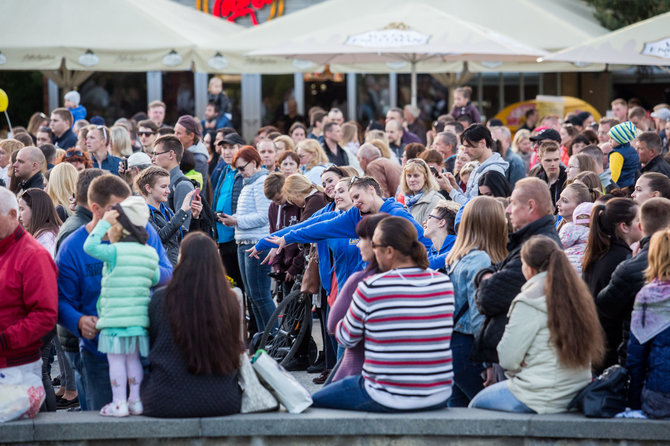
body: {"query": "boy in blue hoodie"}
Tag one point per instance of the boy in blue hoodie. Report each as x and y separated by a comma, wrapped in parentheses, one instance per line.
(624, 160)
(72, 99)
(80, 284)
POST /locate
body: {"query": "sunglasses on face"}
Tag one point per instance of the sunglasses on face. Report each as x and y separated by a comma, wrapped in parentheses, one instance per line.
(145, 133)
(73, 153)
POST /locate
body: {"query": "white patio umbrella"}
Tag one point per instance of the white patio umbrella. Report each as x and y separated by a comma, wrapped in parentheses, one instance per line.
(411, 33)
(104, 35)
(642, 43)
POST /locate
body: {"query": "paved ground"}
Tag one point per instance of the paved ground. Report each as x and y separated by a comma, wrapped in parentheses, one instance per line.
(303, 378)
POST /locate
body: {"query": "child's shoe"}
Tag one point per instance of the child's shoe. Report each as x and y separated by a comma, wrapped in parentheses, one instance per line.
(135, 407)
(115, 409)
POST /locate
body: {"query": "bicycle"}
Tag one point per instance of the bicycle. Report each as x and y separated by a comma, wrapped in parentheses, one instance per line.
(288, 325)
(280, 284)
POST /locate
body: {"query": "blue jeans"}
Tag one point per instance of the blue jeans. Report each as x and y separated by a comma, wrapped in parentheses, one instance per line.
(95, 378)
(498, 397)
(256, 285)
(75, 361)
(349, 394)
(467, 374)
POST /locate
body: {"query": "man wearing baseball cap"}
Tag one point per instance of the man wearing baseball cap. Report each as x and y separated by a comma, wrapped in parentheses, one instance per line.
(545, 134)
(231, 143)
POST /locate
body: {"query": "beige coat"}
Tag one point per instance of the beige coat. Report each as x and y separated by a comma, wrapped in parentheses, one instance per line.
(535, 374)
(425, 205)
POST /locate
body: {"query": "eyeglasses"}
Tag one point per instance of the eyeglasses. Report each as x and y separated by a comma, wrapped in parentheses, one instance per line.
(159, 153)
(145, 133)
(435, 217)
(70, 154)
(353, 180)
(378, 245)
(243, 167)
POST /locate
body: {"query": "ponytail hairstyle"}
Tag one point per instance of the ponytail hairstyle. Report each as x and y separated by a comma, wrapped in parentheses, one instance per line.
(605, 218)
(592, 181)
(581, 192)
(574, 327)
(659, 257)
(400, 234)
(297, 187)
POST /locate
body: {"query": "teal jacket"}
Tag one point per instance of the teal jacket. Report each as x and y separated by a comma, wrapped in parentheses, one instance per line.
(130, 270)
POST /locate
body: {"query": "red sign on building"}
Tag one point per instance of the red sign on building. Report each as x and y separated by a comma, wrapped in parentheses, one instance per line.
(234, 9)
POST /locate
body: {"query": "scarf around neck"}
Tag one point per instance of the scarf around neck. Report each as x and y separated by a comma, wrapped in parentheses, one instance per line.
(651, 311)
(411, 200)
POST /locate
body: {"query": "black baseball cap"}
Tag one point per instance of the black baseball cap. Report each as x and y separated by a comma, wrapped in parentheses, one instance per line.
(232, 139)
(547, 134)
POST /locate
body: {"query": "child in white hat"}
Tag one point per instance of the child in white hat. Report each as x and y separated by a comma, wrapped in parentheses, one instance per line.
(72, 102)
(130, 270)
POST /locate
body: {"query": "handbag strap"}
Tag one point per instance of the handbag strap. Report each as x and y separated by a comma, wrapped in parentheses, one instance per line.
(461, 312)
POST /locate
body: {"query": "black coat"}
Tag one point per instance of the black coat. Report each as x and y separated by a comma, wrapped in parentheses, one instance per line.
(495, 294)
(659, 165)
(615, 303)
(203, 395)
(599, 273)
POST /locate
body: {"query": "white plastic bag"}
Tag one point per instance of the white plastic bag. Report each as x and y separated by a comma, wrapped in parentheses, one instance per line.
(255, 397)
(21, 391)
(281, 383)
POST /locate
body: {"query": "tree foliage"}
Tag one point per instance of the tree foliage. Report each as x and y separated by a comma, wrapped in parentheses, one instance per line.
(615, 14)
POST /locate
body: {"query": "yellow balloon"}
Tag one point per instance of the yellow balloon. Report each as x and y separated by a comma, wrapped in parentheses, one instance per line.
(4, 100)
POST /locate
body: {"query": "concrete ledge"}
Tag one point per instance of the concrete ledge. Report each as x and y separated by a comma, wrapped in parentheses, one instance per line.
(322, 426)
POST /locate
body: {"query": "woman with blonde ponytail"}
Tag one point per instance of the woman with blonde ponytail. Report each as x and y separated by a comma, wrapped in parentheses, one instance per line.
(552, 338)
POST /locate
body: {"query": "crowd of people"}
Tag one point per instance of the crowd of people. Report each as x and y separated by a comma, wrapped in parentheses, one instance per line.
(464, 266)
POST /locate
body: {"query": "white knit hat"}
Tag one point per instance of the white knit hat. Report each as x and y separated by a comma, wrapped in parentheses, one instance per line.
(136, 210)
(73, 96)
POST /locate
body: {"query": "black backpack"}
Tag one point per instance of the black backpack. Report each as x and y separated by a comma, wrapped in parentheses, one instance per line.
(207, 220)
(605, 396)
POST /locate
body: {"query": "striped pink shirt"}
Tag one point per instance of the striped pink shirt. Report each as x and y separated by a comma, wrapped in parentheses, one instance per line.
(405, 317)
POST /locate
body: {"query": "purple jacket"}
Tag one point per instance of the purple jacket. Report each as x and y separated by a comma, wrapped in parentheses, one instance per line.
(352, 361)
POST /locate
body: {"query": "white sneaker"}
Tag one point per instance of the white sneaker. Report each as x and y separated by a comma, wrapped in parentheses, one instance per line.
(135, 407)
(115, 409)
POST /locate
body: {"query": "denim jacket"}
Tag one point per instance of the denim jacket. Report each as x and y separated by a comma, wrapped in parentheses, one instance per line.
(462, 275)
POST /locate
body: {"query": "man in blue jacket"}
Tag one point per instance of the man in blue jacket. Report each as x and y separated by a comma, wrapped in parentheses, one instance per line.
(79, 283)
(367, 197)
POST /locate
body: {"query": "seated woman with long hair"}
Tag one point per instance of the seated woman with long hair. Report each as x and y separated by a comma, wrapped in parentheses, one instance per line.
(480, 242)
(552, 337)
(195, 338)
(404, 315)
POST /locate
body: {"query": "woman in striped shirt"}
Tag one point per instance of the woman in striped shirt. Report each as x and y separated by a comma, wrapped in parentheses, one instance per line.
(404, 316)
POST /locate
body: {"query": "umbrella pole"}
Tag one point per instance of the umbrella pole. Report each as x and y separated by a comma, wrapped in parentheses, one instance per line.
(414, 93)
(8, 122)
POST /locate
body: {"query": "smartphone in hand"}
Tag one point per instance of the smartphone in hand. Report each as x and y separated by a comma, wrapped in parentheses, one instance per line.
(125, 164)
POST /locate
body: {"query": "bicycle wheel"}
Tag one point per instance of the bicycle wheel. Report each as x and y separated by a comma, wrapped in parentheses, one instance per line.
(287, 327)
